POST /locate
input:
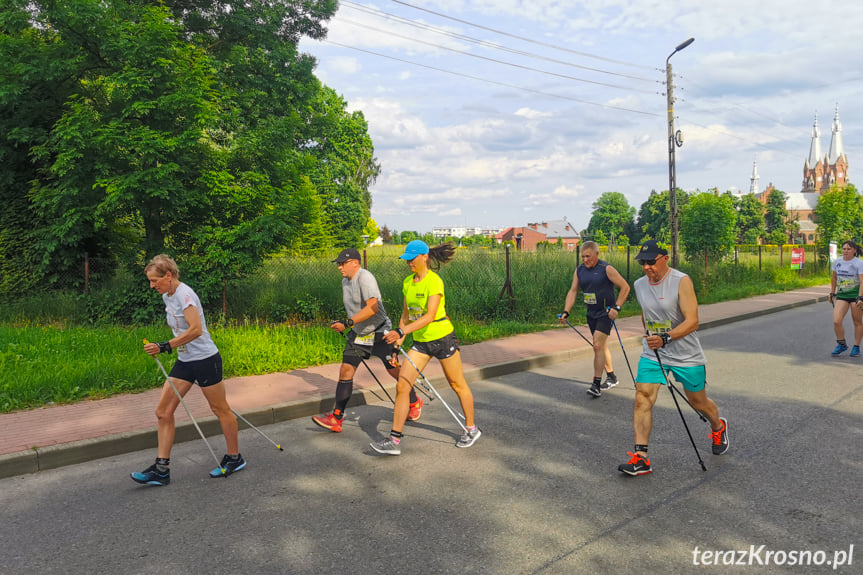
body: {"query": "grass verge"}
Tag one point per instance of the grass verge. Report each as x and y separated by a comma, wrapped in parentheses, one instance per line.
(52, 364)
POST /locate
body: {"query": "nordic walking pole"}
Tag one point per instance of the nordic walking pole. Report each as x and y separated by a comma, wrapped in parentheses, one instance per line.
(351, 345)
(189, 413)
(590, 343)
(614, 323)
(674, 397)
(262, 434)
(455, 414)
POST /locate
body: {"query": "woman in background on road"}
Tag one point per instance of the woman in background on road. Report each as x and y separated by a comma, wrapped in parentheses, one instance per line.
(424, 316)
(845, 291)
(198, 361)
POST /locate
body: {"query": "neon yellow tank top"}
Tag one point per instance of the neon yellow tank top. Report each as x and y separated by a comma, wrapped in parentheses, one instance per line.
(417, 296)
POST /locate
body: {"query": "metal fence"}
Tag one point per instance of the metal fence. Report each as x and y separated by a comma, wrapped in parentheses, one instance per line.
(480, 283)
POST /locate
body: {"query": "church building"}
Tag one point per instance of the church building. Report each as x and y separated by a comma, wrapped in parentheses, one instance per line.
(820, 173)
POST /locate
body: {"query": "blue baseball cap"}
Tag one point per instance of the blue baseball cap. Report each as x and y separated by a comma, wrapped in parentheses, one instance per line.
(414, 249)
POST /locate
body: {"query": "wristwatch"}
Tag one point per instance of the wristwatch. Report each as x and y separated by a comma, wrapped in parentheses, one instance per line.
(665, 338)
(615, 307)
(349, 322)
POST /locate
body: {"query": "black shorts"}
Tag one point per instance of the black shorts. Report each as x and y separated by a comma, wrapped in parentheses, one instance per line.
(204, 372)
(381, 350)
(442, 348)
(600, 324)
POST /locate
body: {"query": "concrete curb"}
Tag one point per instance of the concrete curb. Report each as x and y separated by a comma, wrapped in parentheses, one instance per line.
(50, 457)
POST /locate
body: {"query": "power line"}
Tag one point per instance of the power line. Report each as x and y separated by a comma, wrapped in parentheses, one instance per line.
(504, 84)
(484, 43)
(496, 61)
(524, 39)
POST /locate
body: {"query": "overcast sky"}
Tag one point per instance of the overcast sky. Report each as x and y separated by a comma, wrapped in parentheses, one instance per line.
(477, 128)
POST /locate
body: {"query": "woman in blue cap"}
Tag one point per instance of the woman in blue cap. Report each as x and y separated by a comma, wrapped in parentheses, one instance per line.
(424, 316)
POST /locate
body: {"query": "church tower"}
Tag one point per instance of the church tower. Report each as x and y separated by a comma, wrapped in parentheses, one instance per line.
(753, 180)
(821, 172)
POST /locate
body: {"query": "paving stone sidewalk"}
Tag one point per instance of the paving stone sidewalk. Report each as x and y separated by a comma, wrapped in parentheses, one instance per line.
(54, 436)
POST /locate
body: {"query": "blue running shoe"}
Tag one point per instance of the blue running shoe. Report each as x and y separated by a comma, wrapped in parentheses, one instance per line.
(840, 348)
(855, 351)
(152, 476)
(229, 466)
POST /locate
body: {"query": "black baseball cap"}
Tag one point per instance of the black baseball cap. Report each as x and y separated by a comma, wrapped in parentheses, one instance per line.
(347, 254)
(650, 250)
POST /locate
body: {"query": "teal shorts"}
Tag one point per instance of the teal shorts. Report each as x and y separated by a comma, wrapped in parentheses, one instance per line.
(693, 378)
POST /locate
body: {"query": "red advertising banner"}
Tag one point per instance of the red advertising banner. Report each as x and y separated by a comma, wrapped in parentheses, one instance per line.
(797, 258)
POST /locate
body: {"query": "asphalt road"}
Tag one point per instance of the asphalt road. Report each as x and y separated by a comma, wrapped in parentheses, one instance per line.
(538, 493)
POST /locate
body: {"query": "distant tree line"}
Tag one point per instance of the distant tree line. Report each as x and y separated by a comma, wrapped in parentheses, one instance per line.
(713, 222)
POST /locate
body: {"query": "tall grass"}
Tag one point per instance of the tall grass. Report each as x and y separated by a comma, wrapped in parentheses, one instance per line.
(278, 319)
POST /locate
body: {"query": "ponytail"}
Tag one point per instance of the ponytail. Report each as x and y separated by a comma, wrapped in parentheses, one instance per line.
(441, 254)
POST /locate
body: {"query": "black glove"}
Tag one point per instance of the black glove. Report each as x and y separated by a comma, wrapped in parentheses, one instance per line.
(164, 347)
(393, 356)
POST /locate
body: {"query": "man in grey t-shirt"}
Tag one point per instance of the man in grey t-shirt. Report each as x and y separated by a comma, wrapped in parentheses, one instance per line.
(367, 321)
(669, 311)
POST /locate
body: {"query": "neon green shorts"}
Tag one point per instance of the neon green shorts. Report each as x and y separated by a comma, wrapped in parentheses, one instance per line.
(693, 378)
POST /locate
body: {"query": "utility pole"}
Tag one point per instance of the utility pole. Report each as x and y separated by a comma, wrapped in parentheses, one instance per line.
(675, 139)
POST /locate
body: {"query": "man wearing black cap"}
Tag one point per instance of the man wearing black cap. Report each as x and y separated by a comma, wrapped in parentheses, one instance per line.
(367, 321)
(669, 311)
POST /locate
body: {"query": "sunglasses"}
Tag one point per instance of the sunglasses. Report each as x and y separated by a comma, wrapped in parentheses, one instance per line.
(650, 262)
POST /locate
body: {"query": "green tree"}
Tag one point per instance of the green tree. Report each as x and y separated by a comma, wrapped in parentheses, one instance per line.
(708, 224)
(612, 215)
(839, 215)
(654, 219)
(190, 126)
(776, 226)
(306, 215)
(750, 219)
(409, 236)
(371, 231)
(38, 74)
(346, 167)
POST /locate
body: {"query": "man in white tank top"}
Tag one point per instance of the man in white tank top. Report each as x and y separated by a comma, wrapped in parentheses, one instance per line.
(670, 316)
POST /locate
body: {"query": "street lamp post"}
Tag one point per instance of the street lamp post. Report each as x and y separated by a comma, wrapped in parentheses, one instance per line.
(674, 140)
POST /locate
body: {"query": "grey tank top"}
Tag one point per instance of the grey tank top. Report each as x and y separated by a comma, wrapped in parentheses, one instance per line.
(660, 305)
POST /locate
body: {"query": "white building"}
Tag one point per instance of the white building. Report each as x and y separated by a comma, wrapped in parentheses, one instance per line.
(462, 232)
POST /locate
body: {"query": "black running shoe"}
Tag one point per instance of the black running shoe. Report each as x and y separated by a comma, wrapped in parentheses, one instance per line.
(229, 466)
(720, 438)
(152, 476)
(594, 389)
(609, 382)
(637, 465)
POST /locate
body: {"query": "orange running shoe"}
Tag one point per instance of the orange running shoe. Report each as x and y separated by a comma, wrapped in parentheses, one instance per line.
(416, 410)
(720, 438)
(638, 465)
(328, 421)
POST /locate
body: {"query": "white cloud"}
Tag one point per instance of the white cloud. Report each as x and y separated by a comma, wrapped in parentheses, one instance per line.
(345, 66)
(486, 153)
(532, 114)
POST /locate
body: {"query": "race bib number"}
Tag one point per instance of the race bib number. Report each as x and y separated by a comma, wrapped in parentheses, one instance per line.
(367, 340)
(847, 284)
(656, 327)
(590, 298)
(414, 313)
(181, 349)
